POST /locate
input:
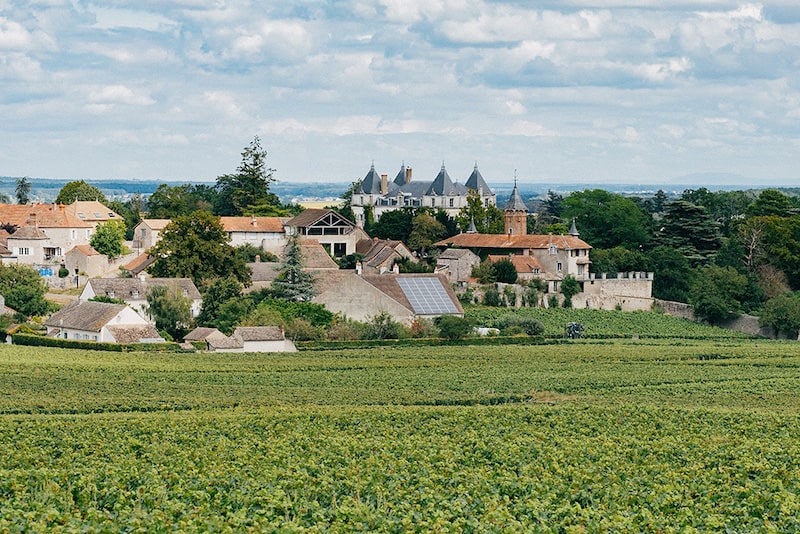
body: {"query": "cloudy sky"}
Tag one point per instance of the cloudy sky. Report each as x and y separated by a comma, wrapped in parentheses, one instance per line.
(558, 90)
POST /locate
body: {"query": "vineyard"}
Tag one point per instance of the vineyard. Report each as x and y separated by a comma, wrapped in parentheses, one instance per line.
(652, 435)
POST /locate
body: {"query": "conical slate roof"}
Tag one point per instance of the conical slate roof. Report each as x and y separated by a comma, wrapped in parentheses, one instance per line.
(400, 179)
(515, 202)
(573, 230)
(442, 184)
(476, 182)
(371, 184)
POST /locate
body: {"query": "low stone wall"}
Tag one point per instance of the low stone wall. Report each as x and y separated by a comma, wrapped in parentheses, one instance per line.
(744, 323)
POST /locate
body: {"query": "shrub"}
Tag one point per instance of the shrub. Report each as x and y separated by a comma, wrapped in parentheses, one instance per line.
(491, 297)
(453, 327)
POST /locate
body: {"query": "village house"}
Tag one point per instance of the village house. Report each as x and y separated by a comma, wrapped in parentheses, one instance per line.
(335, 233)
(243, 339)
(262, 232)
(457, 264)
(133, 291)
(147, 233)
(380, 195)
(100, 321)
(380, 255)
(93, 212)
(404, 297)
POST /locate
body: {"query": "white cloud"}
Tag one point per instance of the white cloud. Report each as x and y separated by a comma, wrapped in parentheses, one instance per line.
(119, 94)
(13, 36)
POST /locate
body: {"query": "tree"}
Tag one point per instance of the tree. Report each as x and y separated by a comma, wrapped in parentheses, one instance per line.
(505, 271)
(395, 224)
(783, 314)
(292, 282)
(79, 190)
(249, 252)
(131, 212)
(196, 246)
(24, 290)
(23, 190)
(717, 292)
(109, 238)
(607, 220)
(453, 327)
(618, 259)
(672, 274)
(569, 288)
(771, 202)
(689, 229)
(248, 188)
(170, 309)
(425, 231)
(487, 219)
(215, 296)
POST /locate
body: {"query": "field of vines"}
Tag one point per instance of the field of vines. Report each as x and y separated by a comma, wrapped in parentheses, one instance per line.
(586, 436)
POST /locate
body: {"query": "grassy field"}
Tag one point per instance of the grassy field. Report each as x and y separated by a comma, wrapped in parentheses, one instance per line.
(651, 435)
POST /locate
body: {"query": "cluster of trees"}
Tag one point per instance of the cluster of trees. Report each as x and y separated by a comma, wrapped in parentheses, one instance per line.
(725, 252)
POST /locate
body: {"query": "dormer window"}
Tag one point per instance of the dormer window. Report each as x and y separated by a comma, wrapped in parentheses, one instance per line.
(553, 250)
(135, 293)
(111, 214)
(81, 215)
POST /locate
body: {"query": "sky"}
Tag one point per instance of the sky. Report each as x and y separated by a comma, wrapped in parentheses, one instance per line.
(554, 91)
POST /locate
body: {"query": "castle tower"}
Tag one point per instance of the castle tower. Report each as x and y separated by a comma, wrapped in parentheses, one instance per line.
(516, 213)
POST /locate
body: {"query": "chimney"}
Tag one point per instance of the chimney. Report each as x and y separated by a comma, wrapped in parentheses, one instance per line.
(254, 221)
(141, 276)
(384, 184)
(396, 268)
(408, 175)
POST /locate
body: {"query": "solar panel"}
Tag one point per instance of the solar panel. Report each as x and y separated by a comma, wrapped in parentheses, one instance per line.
(426, 295)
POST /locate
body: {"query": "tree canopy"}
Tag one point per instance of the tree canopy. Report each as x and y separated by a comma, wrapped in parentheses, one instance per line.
(248, 188)
(23, 190)
(292, 282)
(109, 238)
(24, 290)
(607, 220)
(196, 246)
(79, 190)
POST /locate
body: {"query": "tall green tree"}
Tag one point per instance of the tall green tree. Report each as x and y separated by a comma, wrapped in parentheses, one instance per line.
(218, 293)
(425, 231)
(23, 190)
(395, 224)
(672, 274)
(689, 229)
(79, 190)
(248, 188)
(569, 288)
(772, 202)
(783, 314)
(292, 282)
(608, 220)
(170, 310)
(109, 238)
(196, 246)
(717, 293)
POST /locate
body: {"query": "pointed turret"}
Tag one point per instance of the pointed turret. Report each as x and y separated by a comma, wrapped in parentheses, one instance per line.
(476, 182)
(472, 229)
(442, 184)
(516, 213)
(573, 230)
(371, 184)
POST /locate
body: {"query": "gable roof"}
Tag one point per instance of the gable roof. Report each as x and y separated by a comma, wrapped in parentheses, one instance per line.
(28, 232)
(315, 256)
(456, 254)
(423, 294)
(259, 333)
(264, 271)
(476, 182)
(139, 263)
(85, 315)
(155, 224)
(123, 288)
(135, 333)
(200, 333)
(252, 224)
(311, 216)
(517, 242)
(86, 250)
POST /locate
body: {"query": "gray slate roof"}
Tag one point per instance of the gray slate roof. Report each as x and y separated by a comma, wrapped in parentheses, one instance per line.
(200, 333)
(476, 182)
(134, 333)
(442, 185)
(371, 184)
(124, 288)
(515, 202)
(84, 315)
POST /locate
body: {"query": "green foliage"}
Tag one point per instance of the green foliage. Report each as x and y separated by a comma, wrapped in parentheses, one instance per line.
(63, 272)
(170, 310)
(690, 230)
(248, 253)
(106, 299)
(406, 265)
(607, 220)
(782, 313)
(23, 190)
(526, 324)
(79, 190)
(487, 219)
(130, 211)
(569, 288)
(618, 259)
(109, 238)
(504, 271)
(232, 312)
(717, 292)
(485, 272)
(248, 189)
(349, 261)
(453, 327)
(196, 246)
(298, 329)
(396, 224)
(170, 201)
(672, 274)
(772, 202)
(215, 296)
(425, 231)
(24, 290)
(382, 326)
(314, 313)
(293, 283)
(491, 297)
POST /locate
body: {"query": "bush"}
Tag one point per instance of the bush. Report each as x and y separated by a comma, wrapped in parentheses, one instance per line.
(528, 325)
(453, 327)
(491, 297)
(347, 329)
(382, 326)
(63, 272)
(299, 329)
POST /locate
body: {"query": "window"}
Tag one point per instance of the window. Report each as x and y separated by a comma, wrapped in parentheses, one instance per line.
(553, 250)
(81, 215)
(73, 234)
(23, 251)
(339, 249)
(451, 201)
(558, 267)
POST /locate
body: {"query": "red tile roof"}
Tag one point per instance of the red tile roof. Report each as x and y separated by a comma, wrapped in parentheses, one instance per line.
(42, 215)
(516, 242)
(252, 224)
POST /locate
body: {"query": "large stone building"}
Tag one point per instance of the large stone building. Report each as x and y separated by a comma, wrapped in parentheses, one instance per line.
(378, 193)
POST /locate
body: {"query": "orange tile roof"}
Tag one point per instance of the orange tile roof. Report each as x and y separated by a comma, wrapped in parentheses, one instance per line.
(156, 224)
(43, 215)
(517, 242)
(252, 224)
(86, 250)
(522, 264)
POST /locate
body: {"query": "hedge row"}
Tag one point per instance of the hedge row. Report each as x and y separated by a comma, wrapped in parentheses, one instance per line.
(41, 341)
